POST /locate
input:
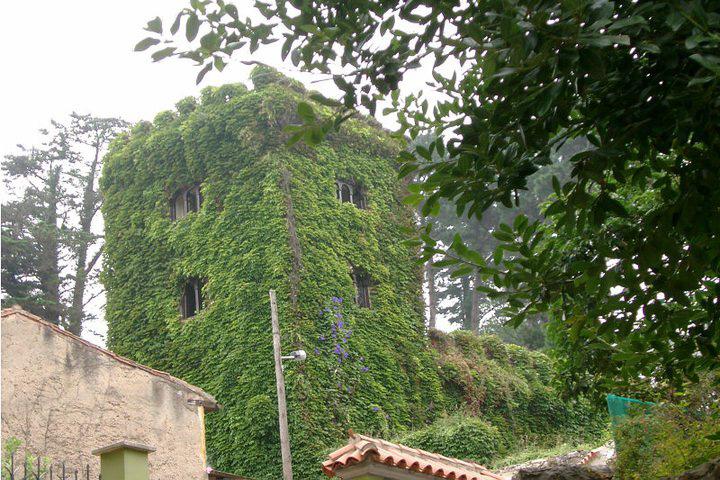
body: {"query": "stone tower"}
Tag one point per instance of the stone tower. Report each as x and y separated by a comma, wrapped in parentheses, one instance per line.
(206, 209)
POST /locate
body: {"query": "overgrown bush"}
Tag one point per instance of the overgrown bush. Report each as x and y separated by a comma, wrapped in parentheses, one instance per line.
(667, 441)
(467, 438)
(505, 399)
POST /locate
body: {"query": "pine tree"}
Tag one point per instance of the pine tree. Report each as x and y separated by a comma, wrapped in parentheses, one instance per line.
(47, 227)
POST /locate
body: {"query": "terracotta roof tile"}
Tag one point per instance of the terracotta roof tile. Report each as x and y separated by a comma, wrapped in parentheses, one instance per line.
(208, 401)
(361, 448)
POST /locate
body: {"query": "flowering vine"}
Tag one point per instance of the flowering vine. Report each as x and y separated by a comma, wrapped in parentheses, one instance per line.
(347, 365)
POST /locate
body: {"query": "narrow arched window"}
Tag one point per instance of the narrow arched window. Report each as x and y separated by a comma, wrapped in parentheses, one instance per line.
(346, 193)
(363, 286)
(185, 200)
(191, 301)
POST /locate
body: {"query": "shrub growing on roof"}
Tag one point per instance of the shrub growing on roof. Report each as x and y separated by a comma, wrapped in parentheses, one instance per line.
(461, 436)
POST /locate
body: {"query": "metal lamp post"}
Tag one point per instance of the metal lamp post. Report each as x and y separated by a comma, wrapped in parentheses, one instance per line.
(298, 355)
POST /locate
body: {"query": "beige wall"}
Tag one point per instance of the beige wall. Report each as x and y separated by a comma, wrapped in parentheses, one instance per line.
(63, 399)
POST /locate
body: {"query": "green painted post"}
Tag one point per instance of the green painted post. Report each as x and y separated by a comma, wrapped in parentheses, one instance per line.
(124, 461)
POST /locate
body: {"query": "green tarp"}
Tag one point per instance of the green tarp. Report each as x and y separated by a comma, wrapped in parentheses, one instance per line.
(620, 407)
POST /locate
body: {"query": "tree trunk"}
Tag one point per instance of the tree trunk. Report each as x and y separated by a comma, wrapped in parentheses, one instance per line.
(475, 311)
(466, 289)
(432, 294)
(48, 268)
(89, 207)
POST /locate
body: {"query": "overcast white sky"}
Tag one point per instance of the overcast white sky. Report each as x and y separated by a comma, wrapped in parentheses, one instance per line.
(77, 55)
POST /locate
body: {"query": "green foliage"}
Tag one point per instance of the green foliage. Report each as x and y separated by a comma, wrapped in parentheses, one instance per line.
(515, 81)
(463, 437)
(666, 442)
(269, 219)
(506, 403)
(455, 295)
(514, 389)
(16, 460)
(49, 247)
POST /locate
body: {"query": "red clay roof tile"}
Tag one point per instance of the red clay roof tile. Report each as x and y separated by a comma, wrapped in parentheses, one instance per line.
(363, 448)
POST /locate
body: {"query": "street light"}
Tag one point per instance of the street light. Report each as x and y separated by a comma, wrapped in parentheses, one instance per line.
(298, 356)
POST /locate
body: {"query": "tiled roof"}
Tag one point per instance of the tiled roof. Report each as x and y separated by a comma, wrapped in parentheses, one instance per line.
(208, 401)
(361, 448)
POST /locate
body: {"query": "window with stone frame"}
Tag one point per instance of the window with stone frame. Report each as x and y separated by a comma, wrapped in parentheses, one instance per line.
(350, 192)
(192, 301)
(185, 200)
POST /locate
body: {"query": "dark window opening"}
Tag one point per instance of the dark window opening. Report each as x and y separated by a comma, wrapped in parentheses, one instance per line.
(192, 199)
(349, 192)
(192, 298)
(359, 199)
(363, 285)
(186, 200)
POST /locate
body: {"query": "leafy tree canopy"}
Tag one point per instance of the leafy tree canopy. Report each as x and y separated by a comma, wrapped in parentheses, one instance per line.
(50, 244)
(629, 266)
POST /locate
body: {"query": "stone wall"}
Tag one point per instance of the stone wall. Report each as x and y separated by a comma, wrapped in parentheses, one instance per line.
(63, 398)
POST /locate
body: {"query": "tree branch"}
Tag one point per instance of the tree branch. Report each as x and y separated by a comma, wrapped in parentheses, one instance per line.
(94, 260)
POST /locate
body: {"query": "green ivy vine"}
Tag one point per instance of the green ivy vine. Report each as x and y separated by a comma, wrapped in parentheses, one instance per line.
(270, 220)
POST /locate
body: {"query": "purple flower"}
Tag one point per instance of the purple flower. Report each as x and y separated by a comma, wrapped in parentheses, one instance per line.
(375, 409)
(336, 299)
(338, 349)
(321, 338)
(364, 369)
(317, 351)
(345, 354)
(340, 323)
(338, 315)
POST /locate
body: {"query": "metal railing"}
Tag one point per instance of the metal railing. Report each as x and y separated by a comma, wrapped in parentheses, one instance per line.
(26, 469)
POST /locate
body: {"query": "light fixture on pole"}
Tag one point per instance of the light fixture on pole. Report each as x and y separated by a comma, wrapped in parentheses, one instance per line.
(299, 356)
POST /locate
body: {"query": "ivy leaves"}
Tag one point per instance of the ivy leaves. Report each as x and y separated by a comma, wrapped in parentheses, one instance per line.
(511, 83)
(216, 45)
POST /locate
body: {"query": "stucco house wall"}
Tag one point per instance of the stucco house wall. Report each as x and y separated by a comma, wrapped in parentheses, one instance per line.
(64, 397)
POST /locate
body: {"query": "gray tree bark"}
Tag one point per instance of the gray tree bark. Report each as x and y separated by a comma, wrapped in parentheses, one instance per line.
(432, 294)
(475, 311)
(48, 268)
(88, 210)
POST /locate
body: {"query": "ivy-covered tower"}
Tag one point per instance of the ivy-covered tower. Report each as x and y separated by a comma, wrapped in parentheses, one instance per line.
(206, 209)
